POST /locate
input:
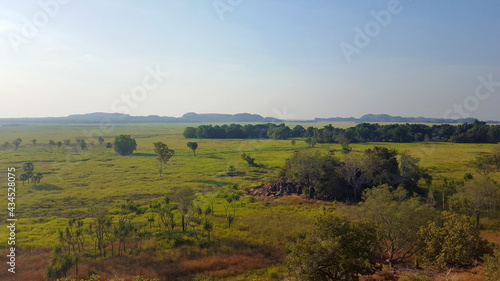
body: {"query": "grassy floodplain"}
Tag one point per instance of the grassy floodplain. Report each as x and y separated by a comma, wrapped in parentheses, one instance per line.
(75, 179)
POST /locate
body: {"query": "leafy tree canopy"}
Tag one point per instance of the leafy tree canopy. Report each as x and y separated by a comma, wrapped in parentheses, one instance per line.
(125, 145)
(336, 249)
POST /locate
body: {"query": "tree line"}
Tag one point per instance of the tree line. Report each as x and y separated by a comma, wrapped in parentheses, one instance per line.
(477, 132)
(81, 143)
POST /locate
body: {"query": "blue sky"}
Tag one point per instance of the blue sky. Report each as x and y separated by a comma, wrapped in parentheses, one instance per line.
(275, 58)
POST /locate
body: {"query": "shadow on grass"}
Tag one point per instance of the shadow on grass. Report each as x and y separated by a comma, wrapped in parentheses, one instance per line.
(46, 187)
(262, 166)
(145, 154)
(214, 157)
(216, 183)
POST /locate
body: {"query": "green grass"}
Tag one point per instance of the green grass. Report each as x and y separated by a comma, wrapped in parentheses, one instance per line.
(74, 180)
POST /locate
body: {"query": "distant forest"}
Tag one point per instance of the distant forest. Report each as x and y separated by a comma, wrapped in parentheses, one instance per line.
(477, 132)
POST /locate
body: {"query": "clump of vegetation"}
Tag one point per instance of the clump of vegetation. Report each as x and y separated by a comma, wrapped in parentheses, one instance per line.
(336, 249)
(81, 143)
(492, 266)
(59, 265)
(125, 145)
(311, 142)
(315, 171)
(193, 146)
(477, 196)
(250, 160)
(398, 218)
(231, 195)
(453, 243)
(29, 174)
(17, 142)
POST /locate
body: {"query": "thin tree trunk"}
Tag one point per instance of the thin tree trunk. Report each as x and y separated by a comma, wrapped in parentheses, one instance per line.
(477, 218)
(442, 194)
(183, 223)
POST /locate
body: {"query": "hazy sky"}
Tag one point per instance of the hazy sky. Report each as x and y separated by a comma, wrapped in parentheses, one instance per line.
(294, 59)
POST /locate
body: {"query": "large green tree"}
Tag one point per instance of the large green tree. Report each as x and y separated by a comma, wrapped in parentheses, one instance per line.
(164, 154)
(398, 218)
(335, 249)
(354, 173)
(125, 145)
(382, 166)
(317, 172)
(189, 133)
(475, 197)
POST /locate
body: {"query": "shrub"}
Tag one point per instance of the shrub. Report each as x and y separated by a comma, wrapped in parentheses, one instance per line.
(336, 249)
(246, 157)
(492, 266)
(59, 266)
(453, 243)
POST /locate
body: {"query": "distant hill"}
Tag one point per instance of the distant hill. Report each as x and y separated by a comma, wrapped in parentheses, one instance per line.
(385, 118)
(191, 117)
(100, 117)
